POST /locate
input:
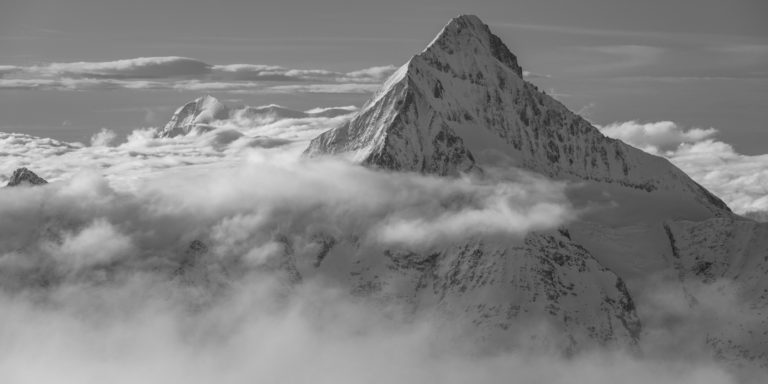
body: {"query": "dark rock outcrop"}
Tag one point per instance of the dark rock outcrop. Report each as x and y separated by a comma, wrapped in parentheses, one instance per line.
(24, 176)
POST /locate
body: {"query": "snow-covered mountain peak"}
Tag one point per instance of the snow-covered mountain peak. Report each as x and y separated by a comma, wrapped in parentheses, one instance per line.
(199, 112)
(462, 104)
(474, 38)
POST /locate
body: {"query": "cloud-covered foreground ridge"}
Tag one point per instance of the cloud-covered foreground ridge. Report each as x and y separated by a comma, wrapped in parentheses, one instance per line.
(241, 212)
(84, 266)
(162, 260)
(82, 296)
(740, 180)
(183, 73)
(244, 176)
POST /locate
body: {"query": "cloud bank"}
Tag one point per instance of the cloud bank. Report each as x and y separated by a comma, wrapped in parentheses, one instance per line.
(142, 154)
(150, 331)
(101, 280)
(183, 73)
(656, 137)
(740, 180)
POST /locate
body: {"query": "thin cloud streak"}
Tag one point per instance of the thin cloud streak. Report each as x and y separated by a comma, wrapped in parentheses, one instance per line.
(138, 68)
(623, 33)
(183, 73)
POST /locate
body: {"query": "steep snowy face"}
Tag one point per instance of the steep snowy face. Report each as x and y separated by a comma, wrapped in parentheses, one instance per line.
(462, 103)
(725, 260)
(24, 176)
(197, 114)
(399, 130)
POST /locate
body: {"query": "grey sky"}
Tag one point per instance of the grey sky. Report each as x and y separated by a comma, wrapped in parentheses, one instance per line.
(696, 62)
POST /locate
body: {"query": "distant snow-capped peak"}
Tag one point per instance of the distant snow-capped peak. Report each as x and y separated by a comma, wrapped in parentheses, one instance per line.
(205, 113)
(201, 111)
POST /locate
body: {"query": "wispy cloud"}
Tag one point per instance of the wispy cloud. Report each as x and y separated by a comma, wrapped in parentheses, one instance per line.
(252, 72)
(623, 33)
(622, 57)
(534, 75)
(672, 79)
(183, 73)
(744, 49)
(656, 137)
(576, 30)
(138, 68)
(8, 69)
(324, 88)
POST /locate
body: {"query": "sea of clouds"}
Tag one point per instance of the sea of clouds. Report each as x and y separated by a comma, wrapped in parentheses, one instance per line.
(89, 292)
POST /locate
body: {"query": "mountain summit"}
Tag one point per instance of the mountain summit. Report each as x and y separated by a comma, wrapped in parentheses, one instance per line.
(462, 104)
(195, 115)
(24, 176)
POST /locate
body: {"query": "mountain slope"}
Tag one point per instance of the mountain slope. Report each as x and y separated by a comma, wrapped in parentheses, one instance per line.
(462, 103)
(726, 259)
(543, 291)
